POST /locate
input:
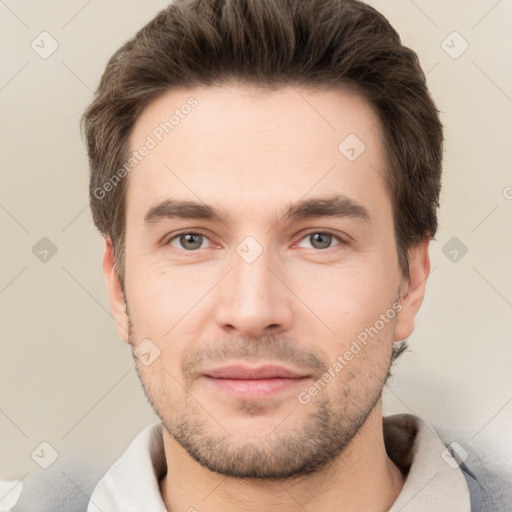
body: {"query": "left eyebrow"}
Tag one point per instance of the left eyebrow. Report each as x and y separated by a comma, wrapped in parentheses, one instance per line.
(336, 206)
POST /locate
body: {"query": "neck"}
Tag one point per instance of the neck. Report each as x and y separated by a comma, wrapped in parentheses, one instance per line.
(362, 477)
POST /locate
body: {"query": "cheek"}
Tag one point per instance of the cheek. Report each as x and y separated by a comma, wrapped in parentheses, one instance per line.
(159, 298)
(168, 308)
(347, 297)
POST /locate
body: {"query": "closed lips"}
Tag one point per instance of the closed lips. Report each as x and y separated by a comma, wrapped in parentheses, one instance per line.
(247, 373)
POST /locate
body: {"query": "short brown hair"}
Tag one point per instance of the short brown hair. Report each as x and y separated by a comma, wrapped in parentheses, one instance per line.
(269, 43)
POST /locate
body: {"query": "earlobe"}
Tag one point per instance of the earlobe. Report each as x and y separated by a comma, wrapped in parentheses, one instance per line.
(413, 289)
(118, 305)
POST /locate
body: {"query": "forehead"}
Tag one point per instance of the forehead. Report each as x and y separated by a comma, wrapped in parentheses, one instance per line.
(256, 149)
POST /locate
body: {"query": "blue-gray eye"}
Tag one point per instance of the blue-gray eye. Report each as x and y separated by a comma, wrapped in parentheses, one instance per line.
(321, 240)
(189, 241)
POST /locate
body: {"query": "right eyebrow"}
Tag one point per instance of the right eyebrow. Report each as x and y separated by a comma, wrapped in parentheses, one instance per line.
(171, 208)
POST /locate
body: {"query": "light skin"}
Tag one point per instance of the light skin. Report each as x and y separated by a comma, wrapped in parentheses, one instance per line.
(319, 281)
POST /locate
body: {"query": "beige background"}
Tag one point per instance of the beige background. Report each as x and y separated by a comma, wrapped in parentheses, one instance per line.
(65, 376)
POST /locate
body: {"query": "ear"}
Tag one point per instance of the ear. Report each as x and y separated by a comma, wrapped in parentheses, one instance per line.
(115, 292)
(413, 289)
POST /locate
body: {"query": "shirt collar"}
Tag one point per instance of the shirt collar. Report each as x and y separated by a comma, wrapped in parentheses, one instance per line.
(434, 480)
(132, 484)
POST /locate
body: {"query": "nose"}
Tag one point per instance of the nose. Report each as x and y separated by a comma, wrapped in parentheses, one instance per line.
(254, 299)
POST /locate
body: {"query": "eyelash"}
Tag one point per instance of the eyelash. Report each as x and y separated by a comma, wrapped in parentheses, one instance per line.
(313, 232)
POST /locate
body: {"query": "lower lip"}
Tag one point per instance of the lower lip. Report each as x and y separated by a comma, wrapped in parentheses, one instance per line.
(255, 389)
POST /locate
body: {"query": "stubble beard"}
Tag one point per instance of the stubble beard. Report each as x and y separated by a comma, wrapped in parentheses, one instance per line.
(290, 450)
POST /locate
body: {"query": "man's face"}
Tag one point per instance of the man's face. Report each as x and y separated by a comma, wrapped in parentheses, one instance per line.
(251, 309)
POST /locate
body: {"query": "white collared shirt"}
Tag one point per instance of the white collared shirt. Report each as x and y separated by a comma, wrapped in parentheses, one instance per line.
(434, 482)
